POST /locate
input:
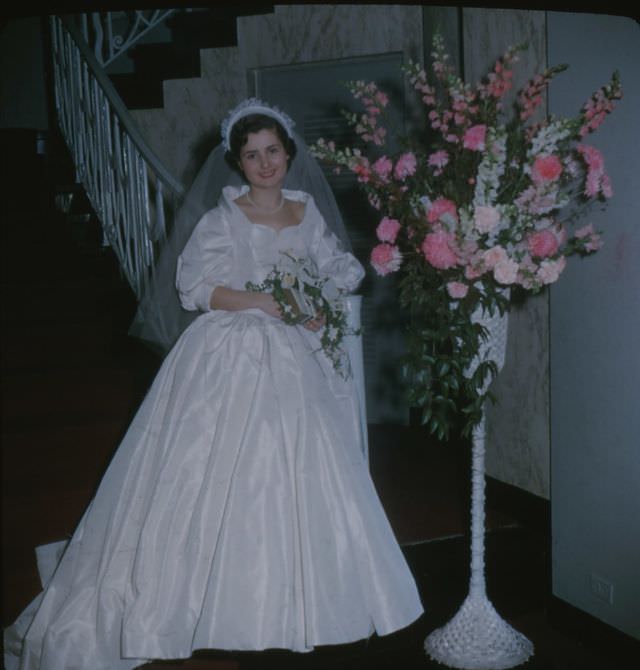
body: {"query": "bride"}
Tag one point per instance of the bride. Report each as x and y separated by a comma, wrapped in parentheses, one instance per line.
(238, 512)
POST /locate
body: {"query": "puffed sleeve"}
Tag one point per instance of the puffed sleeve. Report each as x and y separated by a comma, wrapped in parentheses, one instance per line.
(205, 262)
(332, 260)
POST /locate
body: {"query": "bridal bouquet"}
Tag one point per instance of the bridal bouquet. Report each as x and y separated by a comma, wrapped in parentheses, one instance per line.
(479, 208)
(302, 295)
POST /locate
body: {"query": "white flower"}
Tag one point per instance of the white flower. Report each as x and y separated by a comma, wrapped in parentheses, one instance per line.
(330, 291)
(288, 280)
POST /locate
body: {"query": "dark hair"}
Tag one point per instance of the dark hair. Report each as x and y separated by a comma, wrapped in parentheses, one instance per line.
(254, 123)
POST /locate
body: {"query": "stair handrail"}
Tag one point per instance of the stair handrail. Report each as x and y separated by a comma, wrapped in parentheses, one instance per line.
(113, 161)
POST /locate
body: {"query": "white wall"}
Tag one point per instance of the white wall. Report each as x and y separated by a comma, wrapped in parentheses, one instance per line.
(595, 342)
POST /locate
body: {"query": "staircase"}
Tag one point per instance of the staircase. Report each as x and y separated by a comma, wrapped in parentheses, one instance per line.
(155, 62)
(71, 379)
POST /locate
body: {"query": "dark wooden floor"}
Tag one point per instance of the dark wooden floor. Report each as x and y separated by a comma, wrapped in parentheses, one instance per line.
(71, 380)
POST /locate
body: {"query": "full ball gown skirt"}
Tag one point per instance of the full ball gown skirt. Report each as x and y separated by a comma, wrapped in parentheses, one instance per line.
(238, 513)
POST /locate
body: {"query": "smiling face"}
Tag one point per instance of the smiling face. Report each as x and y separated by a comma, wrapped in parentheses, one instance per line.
(263, 159)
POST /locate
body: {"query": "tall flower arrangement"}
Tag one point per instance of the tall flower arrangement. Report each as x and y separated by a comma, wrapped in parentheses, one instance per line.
(481, 208)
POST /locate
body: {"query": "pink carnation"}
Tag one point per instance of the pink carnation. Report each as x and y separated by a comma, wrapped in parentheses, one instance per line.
(441, 207)
(457, 290)
(405, 166)
(486, 218)
(388, 229)
(546, 168)
(550, 270)
(385, 258)
(437, 251)
(473, 271)
(382, 167)
(474, 137)
(491, 257)
(543, 244)
(506, 271)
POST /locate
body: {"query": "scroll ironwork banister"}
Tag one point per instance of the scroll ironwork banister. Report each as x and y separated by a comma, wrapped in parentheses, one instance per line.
(126, 183)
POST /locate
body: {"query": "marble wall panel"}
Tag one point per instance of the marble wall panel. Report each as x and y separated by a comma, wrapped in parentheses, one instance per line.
(303, 33)
(183, 131)
(518, 425)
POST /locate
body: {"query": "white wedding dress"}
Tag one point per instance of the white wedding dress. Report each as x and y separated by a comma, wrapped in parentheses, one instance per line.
(238, 512)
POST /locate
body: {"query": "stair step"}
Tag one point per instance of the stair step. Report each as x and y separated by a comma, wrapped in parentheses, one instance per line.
(204, 29)
(52, 301)
(191, 31)
(58, 458)
(61, 345)
(138, 92)
(59, 397)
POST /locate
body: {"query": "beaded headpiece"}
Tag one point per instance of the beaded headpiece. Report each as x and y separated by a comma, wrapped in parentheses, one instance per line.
(253, 106)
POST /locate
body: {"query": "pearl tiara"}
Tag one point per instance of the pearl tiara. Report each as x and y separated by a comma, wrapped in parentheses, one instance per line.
(254, 106)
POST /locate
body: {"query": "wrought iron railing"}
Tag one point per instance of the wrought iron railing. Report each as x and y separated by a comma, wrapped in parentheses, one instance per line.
(127, 185)
(110, 34)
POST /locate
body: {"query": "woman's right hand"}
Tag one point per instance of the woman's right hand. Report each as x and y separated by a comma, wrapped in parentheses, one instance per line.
(268, 304)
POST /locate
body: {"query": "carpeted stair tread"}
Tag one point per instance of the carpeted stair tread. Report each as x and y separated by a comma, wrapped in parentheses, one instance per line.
(61, 345)
(59, 397)
(46, 300)
(76, 454)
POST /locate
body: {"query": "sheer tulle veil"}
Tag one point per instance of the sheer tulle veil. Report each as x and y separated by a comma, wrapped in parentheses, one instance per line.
(160, 319)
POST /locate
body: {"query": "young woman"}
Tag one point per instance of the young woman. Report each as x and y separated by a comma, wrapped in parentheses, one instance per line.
(238, 512)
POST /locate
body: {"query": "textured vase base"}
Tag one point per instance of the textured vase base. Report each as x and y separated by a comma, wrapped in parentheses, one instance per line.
(477, 638)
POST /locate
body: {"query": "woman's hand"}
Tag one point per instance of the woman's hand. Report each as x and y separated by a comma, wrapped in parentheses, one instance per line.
(315, 324)
(268, 304)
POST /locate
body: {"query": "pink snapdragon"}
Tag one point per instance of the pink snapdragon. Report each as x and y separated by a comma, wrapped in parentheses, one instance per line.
(388, 229)
(383, 167)
(599, 105)
(457, 290)
(405, 166)
(546, 169)
(437, 249)
(438, 160)
(597, 181)
(441, 209)
(593, 242)
(474, 137)
(543, 243)
(363, 170)
(385, 258)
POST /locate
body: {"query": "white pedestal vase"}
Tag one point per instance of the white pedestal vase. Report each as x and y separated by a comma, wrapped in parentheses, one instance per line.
(477, 638)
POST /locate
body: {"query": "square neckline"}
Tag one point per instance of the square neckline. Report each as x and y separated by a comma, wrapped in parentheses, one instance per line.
(264, 225)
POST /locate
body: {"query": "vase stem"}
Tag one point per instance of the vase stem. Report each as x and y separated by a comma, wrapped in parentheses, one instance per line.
(477, 583)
